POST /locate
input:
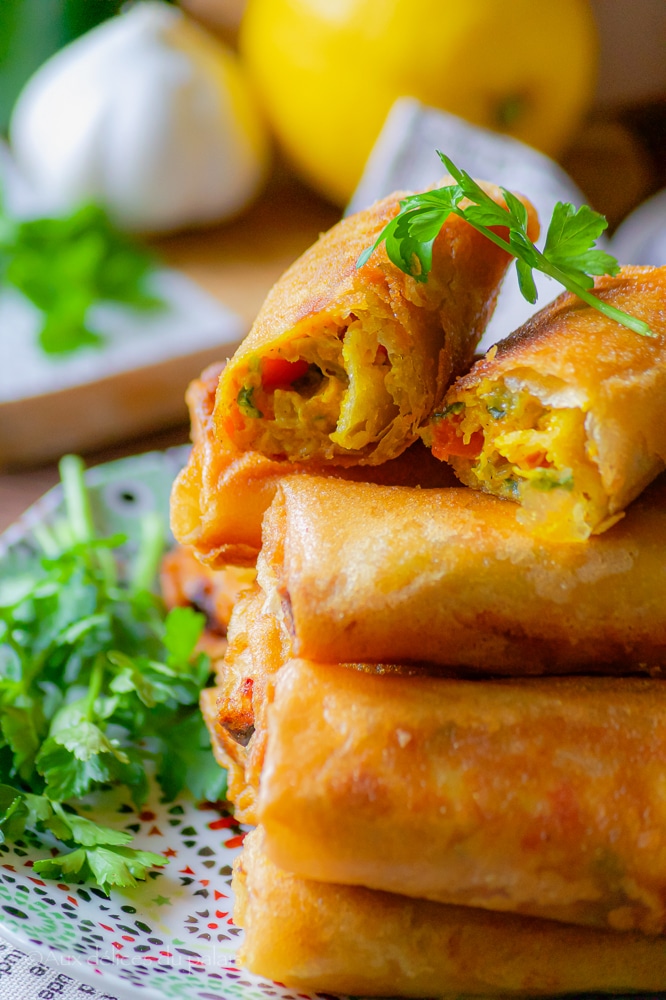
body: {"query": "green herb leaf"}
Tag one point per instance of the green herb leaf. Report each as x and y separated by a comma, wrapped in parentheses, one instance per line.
(66, 265)
(19, 728)
(14, 813)
(187, 762)
(97, 683)
(183, 628)
(69, 776)
(526, 281)
(569, 255)
(246, 403)
(108, 866)
(83, 831)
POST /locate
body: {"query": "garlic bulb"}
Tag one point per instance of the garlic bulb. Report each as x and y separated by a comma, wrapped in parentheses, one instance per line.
(146, 114)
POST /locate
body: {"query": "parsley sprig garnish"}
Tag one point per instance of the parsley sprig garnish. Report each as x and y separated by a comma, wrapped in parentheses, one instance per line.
(98, 686)
(66, 265)
(570, 255)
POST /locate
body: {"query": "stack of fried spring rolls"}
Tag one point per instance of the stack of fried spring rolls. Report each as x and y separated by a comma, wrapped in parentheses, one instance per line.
(380, 773)
(538, 796)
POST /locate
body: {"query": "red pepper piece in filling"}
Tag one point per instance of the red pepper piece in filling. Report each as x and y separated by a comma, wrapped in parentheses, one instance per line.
(277, 373)
(537, 460)
(446, 442)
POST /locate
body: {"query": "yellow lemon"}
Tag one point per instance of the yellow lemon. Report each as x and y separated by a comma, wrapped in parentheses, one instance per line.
(328, 71)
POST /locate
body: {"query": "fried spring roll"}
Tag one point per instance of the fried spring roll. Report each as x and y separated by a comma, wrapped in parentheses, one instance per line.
(235, 710)
(220, 497)
(343, 939)
(567, 416)
(342, 364)
(378, 574)
(541, 796)
(185, 582)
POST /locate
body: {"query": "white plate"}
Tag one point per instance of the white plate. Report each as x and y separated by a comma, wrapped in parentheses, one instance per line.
(173, 936)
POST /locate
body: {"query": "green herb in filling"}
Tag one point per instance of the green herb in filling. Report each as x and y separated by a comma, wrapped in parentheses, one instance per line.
(246, 403)
(449, 411)
(551, 479)
(511, 489)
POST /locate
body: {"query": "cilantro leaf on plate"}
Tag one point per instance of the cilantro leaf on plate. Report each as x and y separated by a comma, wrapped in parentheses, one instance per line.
(108, 866)
(99, 686)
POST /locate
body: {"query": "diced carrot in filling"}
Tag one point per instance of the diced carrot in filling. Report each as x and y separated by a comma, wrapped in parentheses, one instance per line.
(537, 460)
(277, 373)
(447, 441)
(232, 422)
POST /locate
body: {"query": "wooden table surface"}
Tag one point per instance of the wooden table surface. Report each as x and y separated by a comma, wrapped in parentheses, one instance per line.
(237, 263)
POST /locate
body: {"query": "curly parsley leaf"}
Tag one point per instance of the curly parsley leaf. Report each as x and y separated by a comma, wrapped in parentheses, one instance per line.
(98, 685)
(570, 255)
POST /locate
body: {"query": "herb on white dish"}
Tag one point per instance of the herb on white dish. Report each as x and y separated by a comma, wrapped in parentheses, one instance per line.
(98, 687)
(66, 265)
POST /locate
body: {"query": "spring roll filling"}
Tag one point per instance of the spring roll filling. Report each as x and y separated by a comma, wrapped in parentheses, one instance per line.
(325, 395)
(512, 443)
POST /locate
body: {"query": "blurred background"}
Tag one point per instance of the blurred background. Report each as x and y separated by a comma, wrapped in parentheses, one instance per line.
(211, 141)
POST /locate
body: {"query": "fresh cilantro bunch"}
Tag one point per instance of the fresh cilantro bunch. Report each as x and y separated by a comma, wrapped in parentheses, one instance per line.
(570, 255)
(97, 685)
(66, 265)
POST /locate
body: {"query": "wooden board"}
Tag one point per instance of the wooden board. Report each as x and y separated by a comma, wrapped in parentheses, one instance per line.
(237, 263)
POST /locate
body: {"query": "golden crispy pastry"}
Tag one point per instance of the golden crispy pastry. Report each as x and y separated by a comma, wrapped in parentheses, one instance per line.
(342, 364)
(185, 582)
(220, 497)
(567, 416)
(235, 710)
(373, 574)
(540, 796)
(345, 939)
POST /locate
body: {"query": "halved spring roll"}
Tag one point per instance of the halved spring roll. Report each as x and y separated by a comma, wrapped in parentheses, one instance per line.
(567, 416)
(343, 365)
(363, 573)
(541, 796)
(220, 497)
(344, 939)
